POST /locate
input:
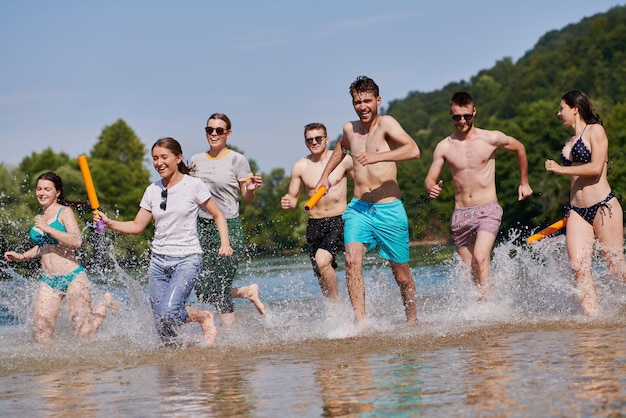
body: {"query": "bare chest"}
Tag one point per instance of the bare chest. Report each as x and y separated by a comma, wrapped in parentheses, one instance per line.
(469, 155)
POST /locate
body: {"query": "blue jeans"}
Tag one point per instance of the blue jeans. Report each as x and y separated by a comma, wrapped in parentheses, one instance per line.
(171, 281)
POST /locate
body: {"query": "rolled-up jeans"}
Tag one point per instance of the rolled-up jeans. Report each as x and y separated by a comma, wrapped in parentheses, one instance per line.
(171, 280)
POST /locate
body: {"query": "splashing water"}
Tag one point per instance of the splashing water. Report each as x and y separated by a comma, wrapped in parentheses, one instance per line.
(533, 286)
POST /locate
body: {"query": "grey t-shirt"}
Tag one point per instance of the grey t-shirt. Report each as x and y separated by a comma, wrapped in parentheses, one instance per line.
(223, 175)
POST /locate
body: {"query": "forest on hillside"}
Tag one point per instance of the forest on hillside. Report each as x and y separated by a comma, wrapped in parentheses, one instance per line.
(519, 98)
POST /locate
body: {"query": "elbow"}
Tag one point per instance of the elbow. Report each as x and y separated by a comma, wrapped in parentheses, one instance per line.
(75, 244)
(597, 171)
(415, 153)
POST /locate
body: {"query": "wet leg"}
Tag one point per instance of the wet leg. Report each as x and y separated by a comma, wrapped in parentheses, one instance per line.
(404, 278)
(328, 276)
(579, 242)
(355, 252)
(205, 319)
(252, 293)
(47, 306)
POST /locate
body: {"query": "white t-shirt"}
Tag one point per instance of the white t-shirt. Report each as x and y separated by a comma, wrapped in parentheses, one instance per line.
(223, 175)
(175, 227)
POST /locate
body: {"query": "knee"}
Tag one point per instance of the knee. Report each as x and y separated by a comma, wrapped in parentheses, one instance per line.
(353, 261)
(43, 328)
(580, 267)
(483, 262)
(323, 261)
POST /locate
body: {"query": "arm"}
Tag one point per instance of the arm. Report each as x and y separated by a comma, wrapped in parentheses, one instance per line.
(433, 186)
(406, 148)
(290, 200)
(134, 227)
(222, 226)
(345, 168)
(599, 157)
(511, 144)
(249, 187)
(71, 238)
(335, 159)
(15, 256)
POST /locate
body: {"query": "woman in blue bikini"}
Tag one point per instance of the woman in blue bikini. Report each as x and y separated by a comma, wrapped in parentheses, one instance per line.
(56, 236)
(594, 211)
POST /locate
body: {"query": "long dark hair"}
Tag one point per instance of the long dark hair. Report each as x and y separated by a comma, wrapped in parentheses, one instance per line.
(58, 186)
(174, 146)
(580, 100)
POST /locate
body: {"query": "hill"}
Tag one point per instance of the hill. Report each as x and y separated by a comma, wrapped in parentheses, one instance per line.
(521, 99)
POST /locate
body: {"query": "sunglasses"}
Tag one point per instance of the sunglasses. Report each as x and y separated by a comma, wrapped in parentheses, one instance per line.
(163, 204)
(218, 131)
(317, 139)
(457, 118)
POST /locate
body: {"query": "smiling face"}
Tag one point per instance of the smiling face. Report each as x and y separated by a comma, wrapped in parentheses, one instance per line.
(217, 133)
(366, 105)
(465, 114)
(165, 162)
(46, 193)
(316, 140)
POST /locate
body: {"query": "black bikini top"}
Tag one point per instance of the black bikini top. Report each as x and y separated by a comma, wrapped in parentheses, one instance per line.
(580, 153)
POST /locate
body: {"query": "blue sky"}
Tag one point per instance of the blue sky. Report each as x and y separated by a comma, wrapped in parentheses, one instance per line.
(70, 68)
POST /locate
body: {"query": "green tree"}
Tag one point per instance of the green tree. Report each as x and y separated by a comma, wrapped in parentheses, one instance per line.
(116, 163)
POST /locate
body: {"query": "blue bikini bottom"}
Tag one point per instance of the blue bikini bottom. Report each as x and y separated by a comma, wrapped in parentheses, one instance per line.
(61, 282)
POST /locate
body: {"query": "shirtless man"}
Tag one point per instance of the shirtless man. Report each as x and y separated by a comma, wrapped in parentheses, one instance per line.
(376, 215)
(470, 152)
(324, 232)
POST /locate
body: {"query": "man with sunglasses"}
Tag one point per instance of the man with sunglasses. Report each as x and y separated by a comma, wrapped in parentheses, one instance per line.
(375, 217)
(324, 233)
(470, 153)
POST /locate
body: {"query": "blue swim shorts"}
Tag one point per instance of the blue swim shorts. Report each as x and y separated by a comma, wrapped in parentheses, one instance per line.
(382, 224)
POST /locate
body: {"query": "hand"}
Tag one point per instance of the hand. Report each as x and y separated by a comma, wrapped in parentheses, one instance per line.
(13, 256)
(285, 202)
(97, 216)
(365, 158)
(552, 166)
(435, 191)
(254, 182)
(225, 250)
(523, 191)
(40, 224)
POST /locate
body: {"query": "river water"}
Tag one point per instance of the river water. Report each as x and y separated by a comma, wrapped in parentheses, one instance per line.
(529, 352)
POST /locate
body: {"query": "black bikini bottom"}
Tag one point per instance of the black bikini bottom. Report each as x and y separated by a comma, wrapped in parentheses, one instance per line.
(589, 213)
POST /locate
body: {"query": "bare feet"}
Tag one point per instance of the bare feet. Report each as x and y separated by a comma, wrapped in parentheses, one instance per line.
(111, 303)
(253, 296)
(208, 327)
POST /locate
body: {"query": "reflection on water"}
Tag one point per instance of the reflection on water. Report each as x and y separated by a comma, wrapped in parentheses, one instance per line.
(569, 372)
(530, 352)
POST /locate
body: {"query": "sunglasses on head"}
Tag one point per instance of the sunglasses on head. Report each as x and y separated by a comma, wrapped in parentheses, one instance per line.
(317, 139)
(457, 118)
(163, 204)
(219, 131)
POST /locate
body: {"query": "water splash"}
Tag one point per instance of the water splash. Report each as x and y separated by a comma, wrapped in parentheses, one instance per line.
(533, 286)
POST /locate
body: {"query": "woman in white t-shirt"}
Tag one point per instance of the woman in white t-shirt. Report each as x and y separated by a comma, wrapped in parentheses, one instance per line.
(176, 259)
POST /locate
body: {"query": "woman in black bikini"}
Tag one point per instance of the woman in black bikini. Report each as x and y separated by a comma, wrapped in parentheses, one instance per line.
(594, 209)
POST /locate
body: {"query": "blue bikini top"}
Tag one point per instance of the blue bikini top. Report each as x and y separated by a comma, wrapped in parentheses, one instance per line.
(40, 238)
(580, 153)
